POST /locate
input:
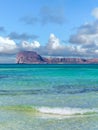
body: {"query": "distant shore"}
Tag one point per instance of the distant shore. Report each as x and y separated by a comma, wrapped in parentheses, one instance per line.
(31, 57)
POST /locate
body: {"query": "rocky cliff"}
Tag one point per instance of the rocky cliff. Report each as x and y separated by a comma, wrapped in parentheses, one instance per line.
(31, 57)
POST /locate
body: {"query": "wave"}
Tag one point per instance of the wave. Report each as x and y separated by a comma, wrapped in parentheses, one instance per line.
(49, 111)
(67, 111)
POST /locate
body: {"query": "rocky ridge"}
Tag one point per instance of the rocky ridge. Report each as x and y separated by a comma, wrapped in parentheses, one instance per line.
(31, 57)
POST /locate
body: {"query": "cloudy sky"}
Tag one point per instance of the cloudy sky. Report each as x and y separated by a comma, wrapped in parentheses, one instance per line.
(67, 28)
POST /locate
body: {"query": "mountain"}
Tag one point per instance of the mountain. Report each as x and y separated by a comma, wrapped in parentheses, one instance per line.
(31, 57)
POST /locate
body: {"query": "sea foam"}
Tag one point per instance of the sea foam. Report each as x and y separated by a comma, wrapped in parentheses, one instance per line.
(66, 111)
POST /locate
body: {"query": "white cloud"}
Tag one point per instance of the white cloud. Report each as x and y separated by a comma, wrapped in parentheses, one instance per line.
(54, 42)
(30, 46)
(7, 45)
(95, 13)
(82, 44)
(55, 48)
(86, 38)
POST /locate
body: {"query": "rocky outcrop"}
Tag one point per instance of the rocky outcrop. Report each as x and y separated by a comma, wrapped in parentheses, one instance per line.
(31, 57)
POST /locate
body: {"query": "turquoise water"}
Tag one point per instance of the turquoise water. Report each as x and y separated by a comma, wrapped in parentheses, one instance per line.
(48, 97)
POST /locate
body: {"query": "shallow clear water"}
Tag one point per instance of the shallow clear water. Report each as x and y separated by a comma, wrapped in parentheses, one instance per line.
(48, 97)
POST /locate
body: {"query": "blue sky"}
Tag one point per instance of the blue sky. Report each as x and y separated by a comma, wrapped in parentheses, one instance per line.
(66, 28)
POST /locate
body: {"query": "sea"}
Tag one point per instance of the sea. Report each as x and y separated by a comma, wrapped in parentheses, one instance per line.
(48, 97)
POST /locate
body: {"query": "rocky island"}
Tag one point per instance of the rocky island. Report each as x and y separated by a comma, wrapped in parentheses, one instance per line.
(31, 57)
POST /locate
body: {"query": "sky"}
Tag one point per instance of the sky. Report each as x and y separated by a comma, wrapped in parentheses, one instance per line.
(61, 28)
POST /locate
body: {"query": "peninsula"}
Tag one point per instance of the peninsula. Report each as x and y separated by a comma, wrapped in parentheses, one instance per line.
(31, 57)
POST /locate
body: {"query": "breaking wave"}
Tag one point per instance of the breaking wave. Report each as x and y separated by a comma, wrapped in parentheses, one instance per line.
(49, 111)
(67, 111)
